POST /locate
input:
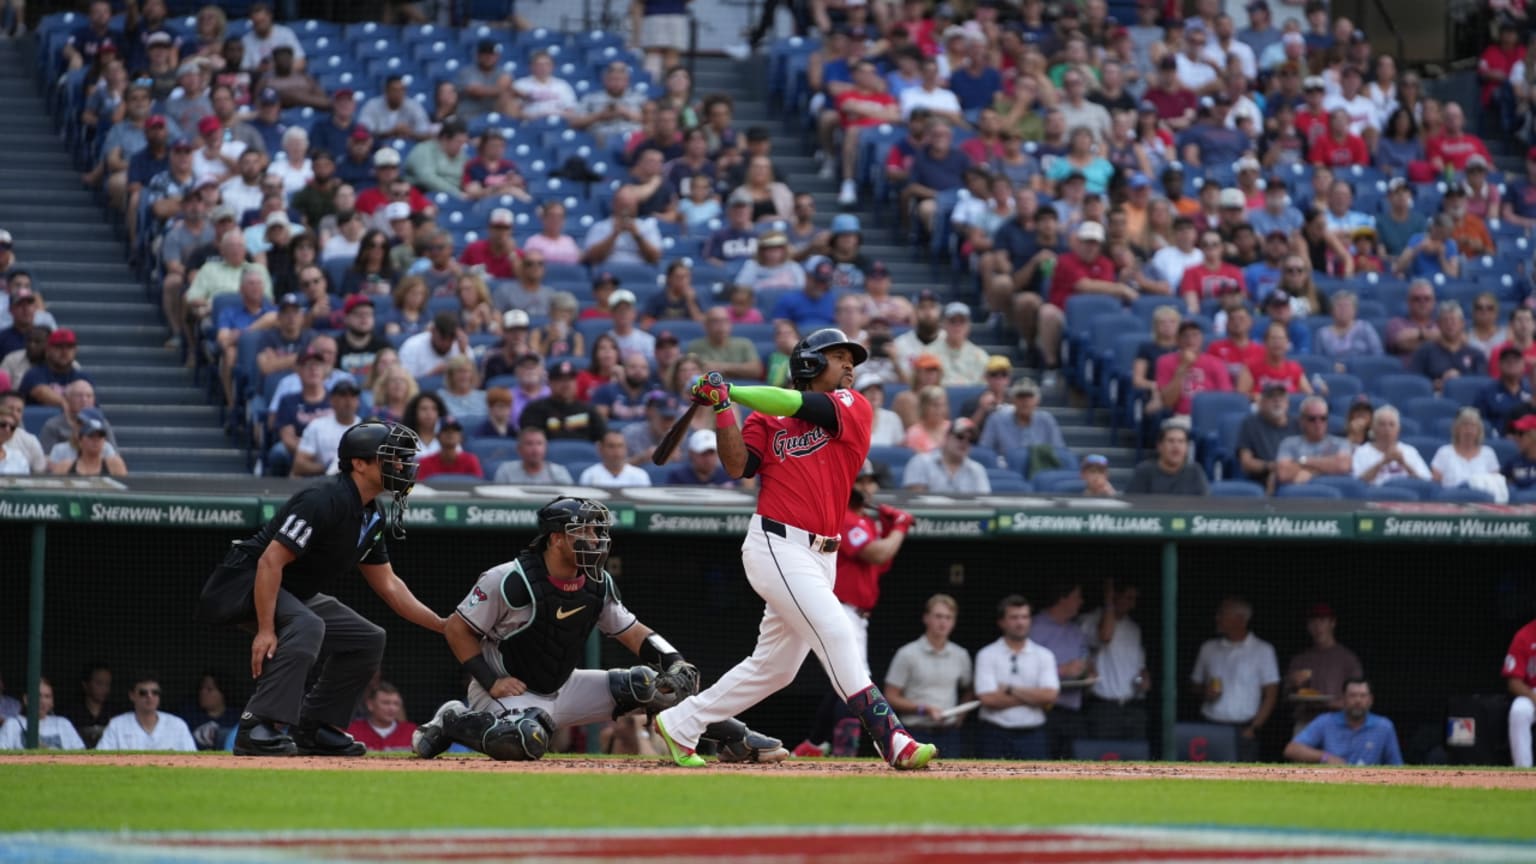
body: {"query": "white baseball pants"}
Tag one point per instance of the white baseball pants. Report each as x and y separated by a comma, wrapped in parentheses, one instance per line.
(1522, 715)
(802, 615)
(860, 626)
(584, 698)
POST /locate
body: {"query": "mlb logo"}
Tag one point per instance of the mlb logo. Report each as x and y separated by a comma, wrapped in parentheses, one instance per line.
(1461, 732)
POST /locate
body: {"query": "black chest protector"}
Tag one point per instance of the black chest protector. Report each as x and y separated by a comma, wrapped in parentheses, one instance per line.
(552, 644)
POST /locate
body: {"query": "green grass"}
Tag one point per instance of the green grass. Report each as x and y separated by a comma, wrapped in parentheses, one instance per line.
(148, 798)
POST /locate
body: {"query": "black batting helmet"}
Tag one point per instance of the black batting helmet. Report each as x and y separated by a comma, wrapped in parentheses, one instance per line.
(809, 358)
(394, 444)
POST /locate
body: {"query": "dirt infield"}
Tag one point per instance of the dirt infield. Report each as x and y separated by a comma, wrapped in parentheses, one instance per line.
(1458, 778)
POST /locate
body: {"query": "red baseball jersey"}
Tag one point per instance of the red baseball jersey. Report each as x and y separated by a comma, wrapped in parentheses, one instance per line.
(1520, 662)
(858, 582)
(806, 472)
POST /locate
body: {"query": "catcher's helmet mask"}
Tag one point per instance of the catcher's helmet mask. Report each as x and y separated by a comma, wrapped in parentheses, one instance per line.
(585, 524)
(809, 357)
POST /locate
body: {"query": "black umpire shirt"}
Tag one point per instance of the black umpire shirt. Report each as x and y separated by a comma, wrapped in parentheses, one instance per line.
(329, 531)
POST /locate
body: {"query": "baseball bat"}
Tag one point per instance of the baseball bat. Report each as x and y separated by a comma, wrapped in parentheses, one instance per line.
(669, 442)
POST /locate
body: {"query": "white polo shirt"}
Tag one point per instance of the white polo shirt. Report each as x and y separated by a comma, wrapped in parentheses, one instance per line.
(125, 733)
(1244, 668)
(998, 667)
(1118, 661)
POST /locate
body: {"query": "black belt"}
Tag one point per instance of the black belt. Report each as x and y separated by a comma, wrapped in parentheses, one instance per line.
(824, 545)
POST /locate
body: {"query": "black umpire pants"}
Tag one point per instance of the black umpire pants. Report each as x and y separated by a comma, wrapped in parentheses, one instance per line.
(349, 647)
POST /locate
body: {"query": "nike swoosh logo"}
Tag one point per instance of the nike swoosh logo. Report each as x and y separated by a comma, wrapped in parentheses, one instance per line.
(562, 614)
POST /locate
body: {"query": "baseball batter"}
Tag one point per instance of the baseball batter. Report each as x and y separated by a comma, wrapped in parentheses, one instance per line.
(1520, 672)
(807, 445)
(522, 630)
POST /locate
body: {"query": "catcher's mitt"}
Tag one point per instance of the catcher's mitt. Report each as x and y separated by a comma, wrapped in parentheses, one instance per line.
(679, 680)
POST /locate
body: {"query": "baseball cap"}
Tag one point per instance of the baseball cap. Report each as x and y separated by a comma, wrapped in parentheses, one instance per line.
(311, 353)
(1510, 352)
(1095, 460)
(1314, 82)
(845, 223)
(395, 211)
(222, 212)
(387, 157)
(702, 441)
(1139, 181)
(92, 421)
(501, 217)
(158, 39)
(154, 121)
(772, 239)
(1233, 198)
(487, 46)
(1524, 424)
(355, 301)
(870, 379)
(1248, 163)
(926, 361)
(562, 370)
(344, 93)
(277, 217)
(1457, 189)
(1320, 610)
(1274, 388)
(604, 278)
(741, 198)
(1025, 386)
(184, 144)
(666, 337)
(1091, 232)
(268, 96)
(1168, 63)
(623, 295)
(867, 469)
(1257, 6)
(290, 299)
(515, 318)
(1397, 183)
(529, 359)
(344, 387)
(23, 295)
(663, 402)
(450, 422)
(1476, 161)
(1277, 298)
(822, 272)
(361, 133)
(208, 125)
(999, 363)
(957, 310)
(1145, 107)
(964, 427)
(927, 296)
(62, 336)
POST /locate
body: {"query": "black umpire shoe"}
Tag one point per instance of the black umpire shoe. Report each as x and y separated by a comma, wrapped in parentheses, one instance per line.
(326, 740)
(259, 737)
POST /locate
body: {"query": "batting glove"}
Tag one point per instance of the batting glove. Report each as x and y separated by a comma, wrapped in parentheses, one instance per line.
(711, 390)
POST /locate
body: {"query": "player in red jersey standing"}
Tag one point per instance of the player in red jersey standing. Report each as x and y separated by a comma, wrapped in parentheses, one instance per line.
(807, 445)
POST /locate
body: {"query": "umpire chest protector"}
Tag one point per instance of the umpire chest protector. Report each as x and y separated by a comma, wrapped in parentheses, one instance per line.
(548, 648)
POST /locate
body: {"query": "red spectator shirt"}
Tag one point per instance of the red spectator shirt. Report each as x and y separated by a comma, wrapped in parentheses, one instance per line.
(1204, 282)
(1327, 150)
(1288, 375)
(901, 157)
(980, 153)
(1171, 104)
(370, 200)
(1493, 358)
(1520, 662)
(1455, 150)
(398, 739)
(1312, 125)
(464, 463)
(806, 473)
(850, 96)
(858, 582)
(1229, 353)
(497, 266)
(1208, 374)
(1495, 59)
(1071, 270)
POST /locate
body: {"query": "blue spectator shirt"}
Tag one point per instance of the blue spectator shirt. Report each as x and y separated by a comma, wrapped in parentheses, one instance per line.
(326, 135)
(1521, 472)
(1374, 743)
(1265, 222)
(1521, 196)
(143, 167)
(1261, 279)
(682, 475)
(294, 411)
(41, 375)
(271, 134)
(237, 317)
(1218, 145)
(1424, 266)
(808, 314)
(940, 175)
(1496, 403)
(87, 41)
(975, 91)
(1395, 235)
(621, 404)
(358, 175)
(731, 244)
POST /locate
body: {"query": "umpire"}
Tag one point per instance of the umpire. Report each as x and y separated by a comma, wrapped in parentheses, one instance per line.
(271, 584)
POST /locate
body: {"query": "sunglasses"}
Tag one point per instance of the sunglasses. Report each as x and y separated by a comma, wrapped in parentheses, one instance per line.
(1311, 418)
(1484, 307)
(8, 426)
(146, 691)
(1422, 298)
(962, 436)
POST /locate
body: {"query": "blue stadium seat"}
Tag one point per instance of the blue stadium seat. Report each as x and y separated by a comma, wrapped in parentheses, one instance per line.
(1207, 409)
(1371, 369)
(1308, 490)
(1341, 384)
(1348, 487)
(1003, 480)
(1466, 390)
(1463, 495)
(1397, 389)
(1425, 489)
(564, 451)
(34, 416)
(894, 459)
(1236, 489)
(1390, 493)
(1058, 480)
(1429, 410)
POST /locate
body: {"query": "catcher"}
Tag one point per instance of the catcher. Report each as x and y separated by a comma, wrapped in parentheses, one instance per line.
(521, 632)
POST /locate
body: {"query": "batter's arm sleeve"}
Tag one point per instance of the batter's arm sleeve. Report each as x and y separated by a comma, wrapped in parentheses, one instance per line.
(778, 402)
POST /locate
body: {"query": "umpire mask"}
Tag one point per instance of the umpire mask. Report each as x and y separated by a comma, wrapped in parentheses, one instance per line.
(397, 471)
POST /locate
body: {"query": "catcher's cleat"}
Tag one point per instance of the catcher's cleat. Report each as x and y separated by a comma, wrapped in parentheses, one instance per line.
(683, 756)
(431, 737)
(754, 747)
(326, 740)
(259, 737)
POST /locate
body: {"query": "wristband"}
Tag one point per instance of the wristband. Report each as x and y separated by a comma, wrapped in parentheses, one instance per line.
(479, 669)
(725, 418)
